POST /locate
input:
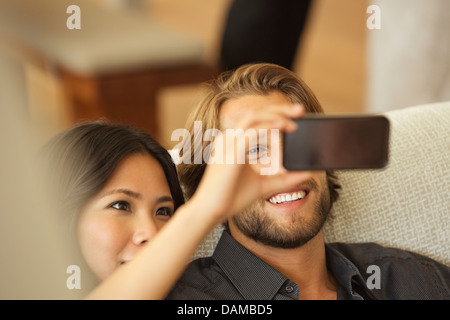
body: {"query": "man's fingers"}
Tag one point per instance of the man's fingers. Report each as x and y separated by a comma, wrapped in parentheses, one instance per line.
(277, 117)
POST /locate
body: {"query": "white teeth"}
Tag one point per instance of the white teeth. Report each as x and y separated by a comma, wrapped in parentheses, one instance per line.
(287, 198)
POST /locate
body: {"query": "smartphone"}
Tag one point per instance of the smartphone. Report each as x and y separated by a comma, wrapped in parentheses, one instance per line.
(337, 143)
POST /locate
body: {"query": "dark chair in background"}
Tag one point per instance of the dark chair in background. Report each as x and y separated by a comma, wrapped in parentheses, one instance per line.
(263, 31)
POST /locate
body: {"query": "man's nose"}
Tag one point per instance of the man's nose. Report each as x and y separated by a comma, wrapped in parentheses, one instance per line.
(281, 168)
(276, 156)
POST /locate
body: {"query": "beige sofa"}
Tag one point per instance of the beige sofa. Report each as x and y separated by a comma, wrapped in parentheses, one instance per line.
(405, 205)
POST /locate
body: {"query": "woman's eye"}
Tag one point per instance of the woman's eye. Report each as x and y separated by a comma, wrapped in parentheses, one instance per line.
(164, 211)
(121, 205)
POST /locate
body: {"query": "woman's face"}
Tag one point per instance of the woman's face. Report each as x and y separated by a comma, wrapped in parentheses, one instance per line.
(133, 205)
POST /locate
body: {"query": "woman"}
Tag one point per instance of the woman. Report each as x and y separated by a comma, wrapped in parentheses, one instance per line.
(99, 164)
(121, 187)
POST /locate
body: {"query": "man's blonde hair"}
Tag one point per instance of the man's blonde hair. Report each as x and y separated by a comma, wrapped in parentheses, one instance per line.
(250, 79)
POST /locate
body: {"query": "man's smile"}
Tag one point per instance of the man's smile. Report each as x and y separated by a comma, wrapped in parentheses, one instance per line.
(288, 197)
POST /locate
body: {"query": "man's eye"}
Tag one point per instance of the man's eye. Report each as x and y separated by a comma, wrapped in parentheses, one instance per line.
(257, 151)
(164, 211)
(253, 150)
(121, 205)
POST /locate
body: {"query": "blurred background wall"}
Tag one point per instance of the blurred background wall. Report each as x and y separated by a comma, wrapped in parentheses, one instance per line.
(408, 60)
(348, 66)
(331, 58)
(34, 249)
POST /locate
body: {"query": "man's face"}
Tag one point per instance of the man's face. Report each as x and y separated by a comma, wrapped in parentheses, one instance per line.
(290, 218)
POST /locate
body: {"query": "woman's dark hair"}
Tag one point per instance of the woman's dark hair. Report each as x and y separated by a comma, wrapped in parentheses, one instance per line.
(83, 158)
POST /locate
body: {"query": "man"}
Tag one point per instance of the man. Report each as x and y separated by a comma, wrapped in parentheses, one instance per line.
(275, 249)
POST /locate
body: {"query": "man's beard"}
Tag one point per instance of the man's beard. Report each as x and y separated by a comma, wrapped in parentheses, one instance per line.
(259, 226)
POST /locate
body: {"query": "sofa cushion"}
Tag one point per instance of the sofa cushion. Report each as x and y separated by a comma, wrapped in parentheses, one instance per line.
(407, 204)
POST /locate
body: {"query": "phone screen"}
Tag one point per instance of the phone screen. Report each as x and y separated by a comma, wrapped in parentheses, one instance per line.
(337, 143)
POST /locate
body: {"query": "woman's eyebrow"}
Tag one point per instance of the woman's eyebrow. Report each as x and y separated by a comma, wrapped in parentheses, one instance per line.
(124, 191)
(135, 195)
(164, 199)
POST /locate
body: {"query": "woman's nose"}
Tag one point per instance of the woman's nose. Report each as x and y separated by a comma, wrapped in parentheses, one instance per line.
(145, 229)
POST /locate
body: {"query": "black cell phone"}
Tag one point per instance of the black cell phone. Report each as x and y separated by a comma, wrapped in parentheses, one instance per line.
(337, 143)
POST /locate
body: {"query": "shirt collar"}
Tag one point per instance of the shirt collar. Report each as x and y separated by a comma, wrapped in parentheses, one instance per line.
(251, 276)
(345, 273)
(255, 279)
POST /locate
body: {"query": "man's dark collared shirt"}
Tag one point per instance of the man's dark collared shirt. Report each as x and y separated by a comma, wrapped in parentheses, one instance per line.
(362, 271)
